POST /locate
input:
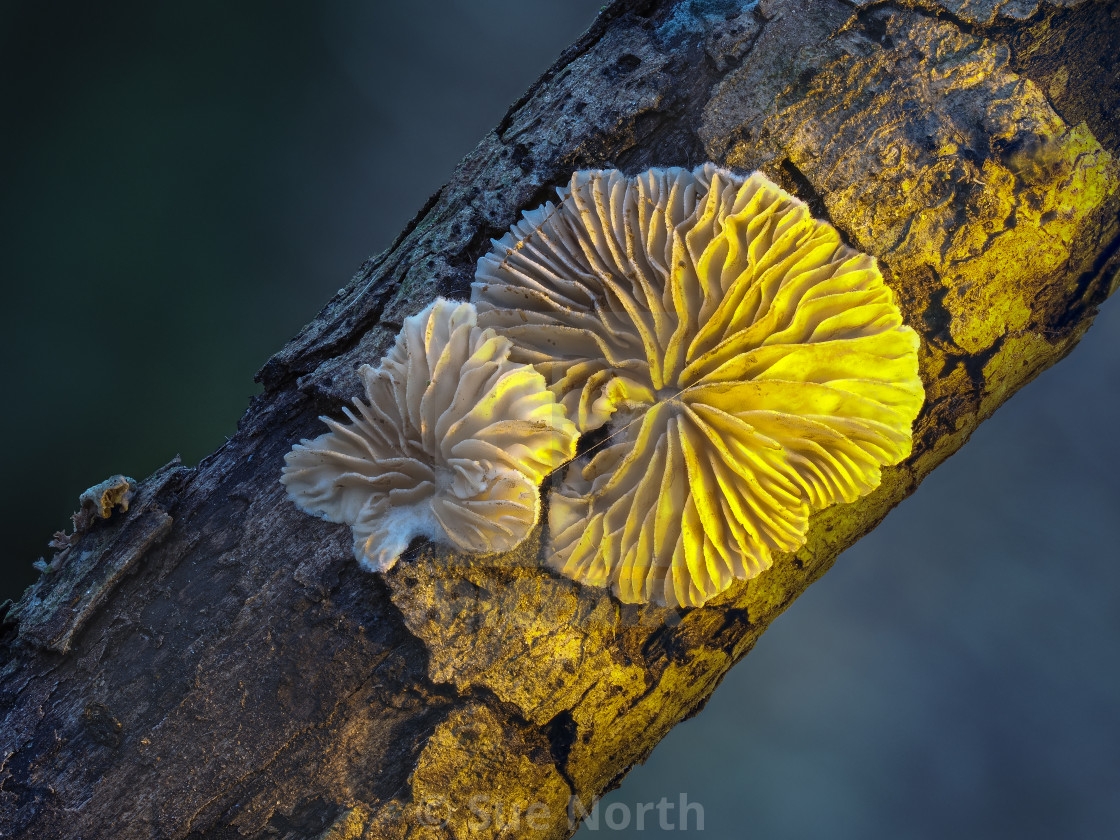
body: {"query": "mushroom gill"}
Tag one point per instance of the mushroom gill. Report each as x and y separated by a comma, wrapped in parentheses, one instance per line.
(748, 368)
(452, 444)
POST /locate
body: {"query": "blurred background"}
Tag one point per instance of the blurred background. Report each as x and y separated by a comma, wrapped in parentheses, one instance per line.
(183, 186)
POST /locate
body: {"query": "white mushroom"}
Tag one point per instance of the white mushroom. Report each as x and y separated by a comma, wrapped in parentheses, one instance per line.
(452, 443)
(749, 366)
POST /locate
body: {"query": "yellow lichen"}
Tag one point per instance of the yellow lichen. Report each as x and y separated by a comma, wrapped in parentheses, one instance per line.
(349, 825)
(478, 777)
(751, 367)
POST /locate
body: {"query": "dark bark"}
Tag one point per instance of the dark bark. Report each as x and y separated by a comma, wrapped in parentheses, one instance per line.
(212, 663)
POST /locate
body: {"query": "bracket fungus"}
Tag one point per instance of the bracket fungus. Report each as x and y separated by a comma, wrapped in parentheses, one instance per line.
(452, 444)
(745, 365)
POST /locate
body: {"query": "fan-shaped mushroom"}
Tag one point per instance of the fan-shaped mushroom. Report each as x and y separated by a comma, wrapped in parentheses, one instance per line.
(452, 443)
(751, 366)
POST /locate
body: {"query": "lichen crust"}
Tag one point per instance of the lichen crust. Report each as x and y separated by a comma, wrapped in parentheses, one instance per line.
(743, 365)
(451, 443)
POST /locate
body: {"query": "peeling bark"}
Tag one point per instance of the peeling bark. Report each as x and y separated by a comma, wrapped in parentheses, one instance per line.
(212, 663)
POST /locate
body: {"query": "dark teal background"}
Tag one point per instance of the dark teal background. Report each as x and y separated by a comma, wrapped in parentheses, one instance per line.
(182, 186)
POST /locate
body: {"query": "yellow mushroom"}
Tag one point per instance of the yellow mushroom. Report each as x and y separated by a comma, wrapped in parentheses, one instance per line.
(747, 365)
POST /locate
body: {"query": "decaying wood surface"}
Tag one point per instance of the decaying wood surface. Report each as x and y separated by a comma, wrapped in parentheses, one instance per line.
(212, 663)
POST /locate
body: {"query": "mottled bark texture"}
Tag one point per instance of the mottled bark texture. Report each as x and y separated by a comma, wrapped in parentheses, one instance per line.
(212, 663)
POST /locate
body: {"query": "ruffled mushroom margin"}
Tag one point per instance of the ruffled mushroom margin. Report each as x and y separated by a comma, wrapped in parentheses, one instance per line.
(748, 368)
